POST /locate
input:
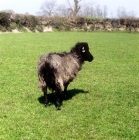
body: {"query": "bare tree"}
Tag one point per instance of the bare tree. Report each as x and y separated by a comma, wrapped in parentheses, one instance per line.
(8, 11)
(132, 14)
(93, 10)
(48, 7)
(88, 10)
(111, 13)
(105, 11)
(98, 11)
(121, 12)
(63, 10)
(74, 9)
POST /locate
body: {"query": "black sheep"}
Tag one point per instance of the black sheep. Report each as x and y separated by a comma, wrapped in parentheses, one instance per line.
(57, 70)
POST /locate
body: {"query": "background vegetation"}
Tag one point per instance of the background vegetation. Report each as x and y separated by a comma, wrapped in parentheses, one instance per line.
(103, 100)
(71, 15)
(23, 23)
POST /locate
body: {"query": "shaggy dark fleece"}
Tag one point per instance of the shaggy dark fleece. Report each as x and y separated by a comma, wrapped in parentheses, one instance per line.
(57, 70)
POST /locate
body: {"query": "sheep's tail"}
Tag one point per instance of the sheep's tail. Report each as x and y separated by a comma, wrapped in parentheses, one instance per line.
(41, 83)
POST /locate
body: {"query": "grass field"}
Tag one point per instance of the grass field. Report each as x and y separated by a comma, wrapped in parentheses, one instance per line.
(103, 100)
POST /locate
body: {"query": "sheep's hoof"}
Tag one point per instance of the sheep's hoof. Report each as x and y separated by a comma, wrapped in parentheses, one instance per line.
(58, 108)
(47, 104)
(65, 96)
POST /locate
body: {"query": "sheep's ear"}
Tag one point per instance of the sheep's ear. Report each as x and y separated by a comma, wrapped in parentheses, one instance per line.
(83, 50)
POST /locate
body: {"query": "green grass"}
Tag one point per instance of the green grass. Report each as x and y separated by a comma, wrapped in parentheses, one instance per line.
(104, 101)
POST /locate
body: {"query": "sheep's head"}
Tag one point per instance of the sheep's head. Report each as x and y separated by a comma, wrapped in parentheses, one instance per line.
(82, 49)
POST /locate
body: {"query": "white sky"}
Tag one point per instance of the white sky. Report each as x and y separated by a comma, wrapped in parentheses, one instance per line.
(33, 6)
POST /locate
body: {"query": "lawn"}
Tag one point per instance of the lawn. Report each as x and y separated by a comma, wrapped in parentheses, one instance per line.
(103, 101)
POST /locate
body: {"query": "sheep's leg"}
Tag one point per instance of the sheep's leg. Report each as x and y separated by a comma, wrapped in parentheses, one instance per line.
(46, 101)
(43, 87)
(65, 91)
(58, 99)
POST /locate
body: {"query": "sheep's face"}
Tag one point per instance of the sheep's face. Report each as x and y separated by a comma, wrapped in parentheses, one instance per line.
(84, 50)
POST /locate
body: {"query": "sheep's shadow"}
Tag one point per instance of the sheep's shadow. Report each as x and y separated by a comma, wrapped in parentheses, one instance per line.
(70, 94)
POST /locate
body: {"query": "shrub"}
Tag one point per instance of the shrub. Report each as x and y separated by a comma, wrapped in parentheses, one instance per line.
(57, 22)
(39, 28)
(67, 28)
(31, 22)
(2, 28)
(5, 19)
